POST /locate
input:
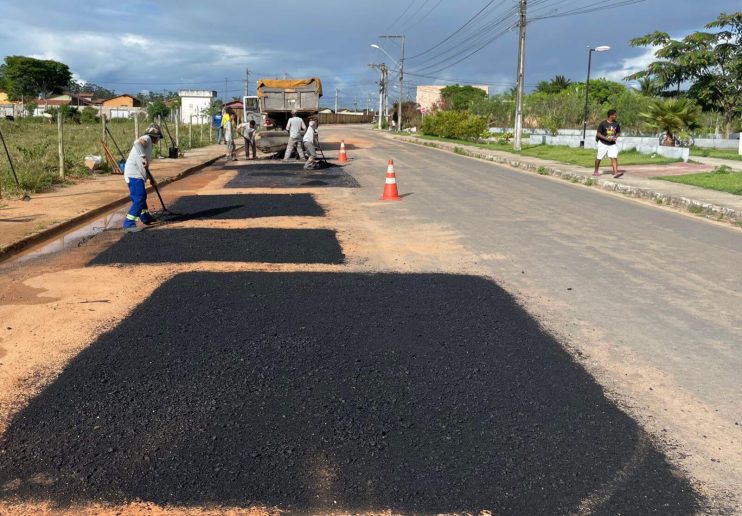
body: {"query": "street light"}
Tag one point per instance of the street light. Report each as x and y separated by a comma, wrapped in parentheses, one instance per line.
(603, 48)
(401, 75)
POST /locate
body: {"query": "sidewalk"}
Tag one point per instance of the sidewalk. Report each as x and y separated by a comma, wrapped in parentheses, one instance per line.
(635, 182)
(46, 214)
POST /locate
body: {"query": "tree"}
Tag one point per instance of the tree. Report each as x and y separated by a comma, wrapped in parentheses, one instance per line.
(460, 98)
(711, 60)
(157, 108)
(557, 84)
(99, 92)
(671, 116)
(649, 87)
(28, 77)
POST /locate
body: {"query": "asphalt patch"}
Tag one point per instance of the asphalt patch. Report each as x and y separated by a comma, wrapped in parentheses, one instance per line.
(315, 392)
(185, 245)
(289, 175)
(247, 206)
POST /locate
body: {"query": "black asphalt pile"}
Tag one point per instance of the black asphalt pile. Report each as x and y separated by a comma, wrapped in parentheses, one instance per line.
(247, 206)
(310, 391)
(184, 245)
(289, 175)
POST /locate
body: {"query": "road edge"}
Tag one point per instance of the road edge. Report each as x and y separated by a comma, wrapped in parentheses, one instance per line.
(710, 211)
(35, 238)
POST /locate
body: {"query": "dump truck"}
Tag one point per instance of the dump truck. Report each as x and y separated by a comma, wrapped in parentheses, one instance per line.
(275, 100)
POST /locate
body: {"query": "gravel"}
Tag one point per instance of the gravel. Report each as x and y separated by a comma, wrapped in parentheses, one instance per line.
(420, 393)
(247, 206)
(264, 245)
(289, 175)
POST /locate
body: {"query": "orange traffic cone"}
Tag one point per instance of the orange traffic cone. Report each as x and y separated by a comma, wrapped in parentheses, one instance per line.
(342, 157)
(390, 186)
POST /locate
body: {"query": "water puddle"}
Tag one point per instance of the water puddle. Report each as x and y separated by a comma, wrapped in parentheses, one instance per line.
(75, 237)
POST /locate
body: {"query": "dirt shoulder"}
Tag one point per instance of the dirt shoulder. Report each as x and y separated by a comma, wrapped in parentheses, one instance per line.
(23, 223)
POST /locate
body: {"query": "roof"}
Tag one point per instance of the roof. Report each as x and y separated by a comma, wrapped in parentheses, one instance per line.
(289, 84)
(136, 102)
(233, 103)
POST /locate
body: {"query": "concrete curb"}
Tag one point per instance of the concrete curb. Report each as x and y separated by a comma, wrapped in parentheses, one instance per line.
(686, 203)
(24, 243)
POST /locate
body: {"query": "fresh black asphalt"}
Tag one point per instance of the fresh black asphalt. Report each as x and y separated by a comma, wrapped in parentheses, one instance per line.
(246, 206)
(277, 174)
(421, 393)
(265, 245)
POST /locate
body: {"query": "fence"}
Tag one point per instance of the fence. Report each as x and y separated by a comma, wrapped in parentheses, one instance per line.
(333, 118)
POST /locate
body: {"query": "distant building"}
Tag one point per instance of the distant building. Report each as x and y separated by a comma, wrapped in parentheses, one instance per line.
(121, 106)
(428, 96)
(238, 108)
(195, 103)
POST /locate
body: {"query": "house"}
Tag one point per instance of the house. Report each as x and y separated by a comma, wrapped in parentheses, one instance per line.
(121, 106)
(428, 96)
(326, 111)
(7, 106)
(51, 101)
(195, 103)
(238, 108)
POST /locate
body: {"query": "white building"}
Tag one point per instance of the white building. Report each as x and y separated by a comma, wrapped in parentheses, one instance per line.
(195, 103)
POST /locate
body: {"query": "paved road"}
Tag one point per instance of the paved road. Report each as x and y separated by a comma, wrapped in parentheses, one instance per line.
(419, 393)
(668, 287)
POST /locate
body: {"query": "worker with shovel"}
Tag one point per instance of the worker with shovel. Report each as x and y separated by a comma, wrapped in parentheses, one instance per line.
(136, 172)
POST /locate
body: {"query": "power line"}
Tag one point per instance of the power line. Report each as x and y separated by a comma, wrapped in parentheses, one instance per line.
(468, 22)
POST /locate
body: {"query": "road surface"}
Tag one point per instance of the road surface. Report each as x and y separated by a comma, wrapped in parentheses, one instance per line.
(496, 341)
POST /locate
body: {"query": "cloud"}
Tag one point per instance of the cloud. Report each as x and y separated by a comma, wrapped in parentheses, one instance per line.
(628, 66)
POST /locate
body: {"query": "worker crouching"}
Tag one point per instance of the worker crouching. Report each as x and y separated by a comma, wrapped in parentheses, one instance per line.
(136, 172)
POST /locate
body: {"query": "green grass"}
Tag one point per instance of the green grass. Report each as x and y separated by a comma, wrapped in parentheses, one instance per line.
(722, 179)
(716, 153)
(33, 145)
(563, 154)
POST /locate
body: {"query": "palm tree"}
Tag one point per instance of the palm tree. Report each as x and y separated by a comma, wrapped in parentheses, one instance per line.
(670, 117)
(560, 82)
(649, 87)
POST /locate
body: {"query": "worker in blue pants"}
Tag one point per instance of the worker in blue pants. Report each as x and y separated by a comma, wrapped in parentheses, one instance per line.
(136, 172)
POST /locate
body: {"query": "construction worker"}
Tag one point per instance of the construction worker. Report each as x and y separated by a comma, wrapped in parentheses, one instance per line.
(135, 174)
(310, 141)
(295, 126)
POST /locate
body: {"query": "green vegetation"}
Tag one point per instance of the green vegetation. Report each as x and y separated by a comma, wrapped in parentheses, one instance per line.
(716, 153)
(712, 61)
(574, 156)
(33, 145)
(721, 178)
(671, 117)
(460, 98)
(454, 124)
(25, 77)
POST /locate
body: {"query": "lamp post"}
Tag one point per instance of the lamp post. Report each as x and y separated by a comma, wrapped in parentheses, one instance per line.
(400, 64)
(603, 48)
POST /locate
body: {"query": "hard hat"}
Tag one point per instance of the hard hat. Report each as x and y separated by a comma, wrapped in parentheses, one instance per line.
(154, 131)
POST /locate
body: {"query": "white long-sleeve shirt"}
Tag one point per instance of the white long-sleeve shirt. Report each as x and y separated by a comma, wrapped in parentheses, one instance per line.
(140, 151)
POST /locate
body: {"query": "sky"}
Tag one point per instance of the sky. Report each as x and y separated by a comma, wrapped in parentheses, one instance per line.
(152, 45)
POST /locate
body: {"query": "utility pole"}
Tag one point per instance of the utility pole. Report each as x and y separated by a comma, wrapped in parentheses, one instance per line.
(401, 78)
(247, 80)
(521, 66)
(382, 89)
(368, 104)
(336, 101)
(355, 104)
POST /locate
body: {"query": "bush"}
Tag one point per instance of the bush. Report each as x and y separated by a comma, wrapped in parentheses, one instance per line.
(89, 115)
(454, 124)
